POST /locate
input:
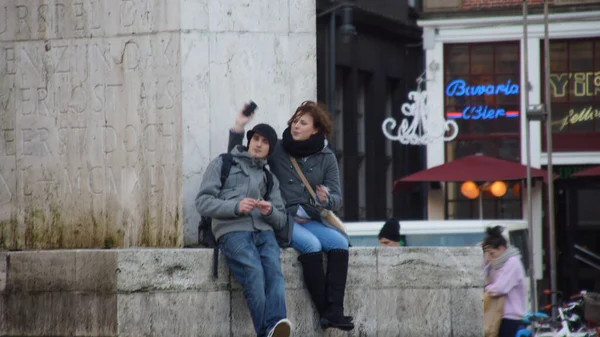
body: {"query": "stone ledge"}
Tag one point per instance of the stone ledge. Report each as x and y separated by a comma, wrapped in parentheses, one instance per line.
(134, 270)
(158, 292)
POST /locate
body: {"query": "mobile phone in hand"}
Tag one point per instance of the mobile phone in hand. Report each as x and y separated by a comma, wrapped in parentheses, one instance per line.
(249, 109)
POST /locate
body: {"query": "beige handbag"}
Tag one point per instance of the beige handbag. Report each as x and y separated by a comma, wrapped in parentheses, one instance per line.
(493, 310)
(326, 215)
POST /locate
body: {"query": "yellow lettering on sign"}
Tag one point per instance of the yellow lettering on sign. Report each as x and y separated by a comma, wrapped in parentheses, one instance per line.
(558, 83)
(580, 84)
(586, 114)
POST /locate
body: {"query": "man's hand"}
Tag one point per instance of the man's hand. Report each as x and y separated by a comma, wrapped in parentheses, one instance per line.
(241, 120)
(322, 194)
(246, 205)
(264, 207)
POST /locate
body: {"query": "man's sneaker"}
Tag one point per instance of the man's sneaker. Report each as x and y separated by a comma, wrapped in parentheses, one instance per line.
(283, 328)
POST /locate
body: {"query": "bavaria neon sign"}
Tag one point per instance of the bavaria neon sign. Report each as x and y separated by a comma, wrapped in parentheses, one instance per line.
(460, 88)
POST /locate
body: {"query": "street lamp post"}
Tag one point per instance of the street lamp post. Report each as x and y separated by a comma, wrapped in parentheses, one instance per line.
(525, 90)
(541, 112)
(550, 212)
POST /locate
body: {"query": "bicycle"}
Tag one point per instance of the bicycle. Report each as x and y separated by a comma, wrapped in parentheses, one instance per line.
(569, 322)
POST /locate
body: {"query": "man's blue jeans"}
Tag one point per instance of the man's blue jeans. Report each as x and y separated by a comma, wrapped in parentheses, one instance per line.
(253, 258)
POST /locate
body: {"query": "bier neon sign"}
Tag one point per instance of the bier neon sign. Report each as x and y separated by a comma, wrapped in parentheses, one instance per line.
(460, 88)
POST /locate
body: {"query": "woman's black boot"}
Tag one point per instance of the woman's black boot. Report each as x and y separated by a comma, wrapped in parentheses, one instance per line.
(314, 277)
(337, 272)
(315, 280)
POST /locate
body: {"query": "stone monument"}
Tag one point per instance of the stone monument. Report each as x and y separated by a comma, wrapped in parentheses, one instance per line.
(111, 109)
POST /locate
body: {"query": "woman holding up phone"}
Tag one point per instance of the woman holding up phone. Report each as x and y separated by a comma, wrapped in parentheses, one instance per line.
(303, 153)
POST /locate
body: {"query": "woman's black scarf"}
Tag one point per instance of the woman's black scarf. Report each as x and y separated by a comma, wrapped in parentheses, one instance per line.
(302, 148)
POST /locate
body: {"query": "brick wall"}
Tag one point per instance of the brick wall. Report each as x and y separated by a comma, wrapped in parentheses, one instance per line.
(489, 4)
(432, 6)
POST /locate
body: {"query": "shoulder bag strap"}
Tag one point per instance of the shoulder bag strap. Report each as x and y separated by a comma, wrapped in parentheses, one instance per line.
(302, 177)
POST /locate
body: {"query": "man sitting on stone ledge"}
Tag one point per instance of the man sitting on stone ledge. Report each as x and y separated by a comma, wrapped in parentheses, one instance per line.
(244, 224)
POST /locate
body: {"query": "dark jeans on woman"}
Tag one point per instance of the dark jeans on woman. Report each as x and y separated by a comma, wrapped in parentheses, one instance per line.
(509, 327)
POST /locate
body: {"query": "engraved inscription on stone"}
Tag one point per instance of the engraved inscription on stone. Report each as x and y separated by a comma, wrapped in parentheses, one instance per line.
(7, 142)
(34, 19)
(90, 126)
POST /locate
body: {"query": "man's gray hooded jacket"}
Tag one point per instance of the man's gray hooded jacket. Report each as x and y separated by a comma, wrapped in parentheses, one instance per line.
(246, 179)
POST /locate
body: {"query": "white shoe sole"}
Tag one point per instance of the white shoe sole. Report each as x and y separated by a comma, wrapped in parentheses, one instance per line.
(283, 328)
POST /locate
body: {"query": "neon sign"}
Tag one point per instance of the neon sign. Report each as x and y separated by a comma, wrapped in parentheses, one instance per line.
(575, 117)
(476, 112)
(460, 88)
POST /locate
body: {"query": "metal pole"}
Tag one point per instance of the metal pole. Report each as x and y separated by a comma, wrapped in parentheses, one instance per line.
(550, 212)
(332, 99)
(525, 91)
(481, 205)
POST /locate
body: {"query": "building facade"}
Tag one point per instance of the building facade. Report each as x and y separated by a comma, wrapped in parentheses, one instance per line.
(476, 62)
(367, 60)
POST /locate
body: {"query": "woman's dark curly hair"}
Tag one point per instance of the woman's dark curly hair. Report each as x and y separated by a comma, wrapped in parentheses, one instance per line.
(494, 238)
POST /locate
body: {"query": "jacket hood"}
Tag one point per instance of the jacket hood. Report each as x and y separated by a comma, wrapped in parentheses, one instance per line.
(240, 153)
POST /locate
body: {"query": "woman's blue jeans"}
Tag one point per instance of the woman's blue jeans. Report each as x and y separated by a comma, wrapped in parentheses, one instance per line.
(253, 258)
(314, 236)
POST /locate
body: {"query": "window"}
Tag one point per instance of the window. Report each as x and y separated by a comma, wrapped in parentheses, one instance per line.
(338, 130)
(482, 94)
(361, 131)
(588, 213)
(520, 239)
(574, 94)
(389, 154)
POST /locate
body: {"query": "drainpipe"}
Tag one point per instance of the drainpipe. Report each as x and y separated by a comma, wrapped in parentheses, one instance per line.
(348, 30)
(331, 99)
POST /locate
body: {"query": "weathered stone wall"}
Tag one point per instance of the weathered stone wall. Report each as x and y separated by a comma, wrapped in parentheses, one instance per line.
(260, 50)
(90, 111)
(409, 292)
(108, 107)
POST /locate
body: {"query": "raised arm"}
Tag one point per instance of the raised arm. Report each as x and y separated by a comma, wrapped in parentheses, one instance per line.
(235, 139)
(508, 277)
(236, 133)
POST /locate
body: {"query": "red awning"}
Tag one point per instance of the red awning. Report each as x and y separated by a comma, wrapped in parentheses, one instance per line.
(591, 172)
(478, 168)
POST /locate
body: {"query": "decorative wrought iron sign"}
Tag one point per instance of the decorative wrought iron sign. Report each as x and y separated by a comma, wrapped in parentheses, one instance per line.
(423, 124)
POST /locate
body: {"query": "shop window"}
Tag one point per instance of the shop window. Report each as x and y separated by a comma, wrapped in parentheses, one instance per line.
(482, 94)
(575, 94)
(338, 130)
(389, 172)
(362, 165)
(588, 213)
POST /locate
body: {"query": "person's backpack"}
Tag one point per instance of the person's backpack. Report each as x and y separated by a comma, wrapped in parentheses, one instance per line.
(206, 237)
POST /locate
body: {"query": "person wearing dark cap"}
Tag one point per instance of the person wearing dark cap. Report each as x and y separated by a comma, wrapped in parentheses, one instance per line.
(244, 226)
(389, 236)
